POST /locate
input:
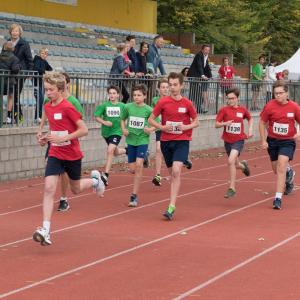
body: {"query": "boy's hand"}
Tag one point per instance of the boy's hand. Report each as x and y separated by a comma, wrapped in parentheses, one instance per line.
(167, 128)
(147, 130)
(264, 145)
(227, 122)
(125, 132)
(42, 139)
(107, 123)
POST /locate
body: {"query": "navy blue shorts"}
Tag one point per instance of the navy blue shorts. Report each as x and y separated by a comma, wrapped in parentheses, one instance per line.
(157, 135)
(135, 152)
(175, 151)
(57, 166)
(113, 139)
(278, 147)
(239, 145)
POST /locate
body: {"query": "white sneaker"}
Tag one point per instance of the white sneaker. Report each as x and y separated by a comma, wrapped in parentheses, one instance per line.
(100, 187)
(42, 236)
(8, 120)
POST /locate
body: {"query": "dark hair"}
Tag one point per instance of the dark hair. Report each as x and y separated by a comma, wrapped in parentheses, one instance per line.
(140, 87)
(223, 59)
(66, 75)
(174, 75)
(280, 83)
(113, 87)
(261, 56)
(204, 46)
(130, 37)
(162, 80)
(233, 90)
(142, 45)
(183, 70)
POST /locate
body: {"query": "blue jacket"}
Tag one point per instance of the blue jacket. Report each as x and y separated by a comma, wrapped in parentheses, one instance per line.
(154, 58)
(119, 65)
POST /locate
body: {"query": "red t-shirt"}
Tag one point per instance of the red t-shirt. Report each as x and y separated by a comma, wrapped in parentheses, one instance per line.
(62, 120)
(281, 119)
(175, 112)
(226, 72)
(235, 131)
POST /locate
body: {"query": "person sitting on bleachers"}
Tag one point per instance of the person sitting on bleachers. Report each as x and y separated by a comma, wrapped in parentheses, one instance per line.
(9, 62)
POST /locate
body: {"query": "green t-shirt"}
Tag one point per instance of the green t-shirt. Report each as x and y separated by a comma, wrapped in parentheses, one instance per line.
(153, 103)
(110, 112)
(258, 70)
(137, 119)
(74, 101)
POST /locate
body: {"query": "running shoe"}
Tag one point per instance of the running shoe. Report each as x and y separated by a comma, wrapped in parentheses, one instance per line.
(42, 236)
(188, 164)
(168, 215)
(290, 174)
(288, 188)
(156, 180)
(277, 203)
(99, 187)
(230, 193)
(104, 178)
(246, 169)
(146, 163)
(133, 202)
(63, 205)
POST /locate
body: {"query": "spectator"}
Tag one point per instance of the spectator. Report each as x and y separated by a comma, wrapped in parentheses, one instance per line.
(270, 78)
(40, 65)
(141, 59)
(154, 56)
(185, 71)
(23, 53)
(257, 77)
(119, 67)
(284, 75)
(185, 90)
(9, 62)
(132, 53)
(200, 69)
(226, 73)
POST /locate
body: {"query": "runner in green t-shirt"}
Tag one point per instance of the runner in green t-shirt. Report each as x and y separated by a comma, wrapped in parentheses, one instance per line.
(109, 115)
(137, 130)
(63, 203)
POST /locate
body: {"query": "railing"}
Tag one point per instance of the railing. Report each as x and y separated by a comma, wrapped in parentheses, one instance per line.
(90, 90)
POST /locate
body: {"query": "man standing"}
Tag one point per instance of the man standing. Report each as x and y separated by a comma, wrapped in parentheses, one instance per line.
(200, 69)
(132, 53)
(178, 118)
(154, 55)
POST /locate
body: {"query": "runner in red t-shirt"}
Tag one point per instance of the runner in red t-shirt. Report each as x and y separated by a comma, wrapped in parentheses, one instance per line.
(66, 126)
(231, 118)
(178, 118)
(279, 117)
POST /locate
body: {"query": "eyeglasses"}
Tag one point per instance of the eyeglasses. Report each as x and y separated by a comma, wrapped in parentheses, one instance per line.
(279, 93)
(231, 98)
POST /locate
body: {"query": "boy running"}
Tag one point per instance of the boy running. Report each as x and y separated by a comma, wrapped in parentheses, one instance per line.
(109, 115)
(137, 133)
(279, 117)
(66, 126)
(231, 118)
(179, 117)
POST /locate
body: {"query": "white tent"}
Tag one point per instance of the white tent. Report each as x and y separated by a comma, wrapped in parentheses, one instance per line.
(293, 65)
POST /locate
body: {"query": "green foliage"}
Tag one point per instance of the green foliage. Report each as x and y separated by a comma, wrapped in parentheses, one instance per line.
(246, 28)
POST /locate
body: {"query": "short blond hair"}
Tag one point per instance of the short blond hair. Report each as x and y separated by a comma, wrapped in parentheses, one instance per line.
(14, 26)
(44, 49)
(55, 78)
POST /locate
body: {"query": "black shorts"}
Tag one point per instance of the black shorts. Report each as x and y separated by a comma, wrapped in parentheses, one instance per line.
(175, 151)
(113, 139)
(278, 147)
(57, 166)
(47, 150)
(256, 86)
(239, 145)
(157, 135)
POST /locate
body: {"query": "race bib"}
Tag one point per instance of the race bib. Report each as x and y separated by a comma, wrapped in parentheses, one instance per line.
(239, 114)
(113, 112)
(60, 133)
(281, 129)
(234, 128)
(175, 129)
(136, 122)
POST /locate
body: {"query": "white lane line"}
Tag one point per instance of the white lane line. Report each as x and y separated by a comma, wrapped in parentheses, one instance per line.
(127, 211)
(236, 267)
(129, 250)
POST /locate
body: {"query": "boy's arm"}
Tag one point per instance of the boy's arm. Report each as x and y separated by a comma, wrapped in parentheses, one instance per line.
(250, 128)
(195, 123)
(262, 133)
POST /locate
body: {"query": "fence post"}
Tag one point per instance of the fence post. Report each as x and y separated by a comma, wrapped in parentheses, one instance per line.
(77, 87)
(217, 97)
(1, 100)
(247, 94)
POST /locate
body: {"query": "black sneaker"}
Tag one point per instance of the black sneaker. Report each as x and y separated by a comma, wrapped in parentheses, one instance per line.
(156, 180)
(104, 178)
(288, 188)
(63, 205)
(188, 164)
(168, 215)
(277, 203)
(246, 169)
(133, 202)
(290, 174)
(146, 160)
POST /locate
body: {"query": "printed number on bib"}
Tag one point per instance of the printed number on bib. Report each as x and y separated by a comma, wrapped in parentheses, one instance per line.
(234, 128)
(136, 122)
(113, 111)
(175, 128)
(281, 129)
(60, 133)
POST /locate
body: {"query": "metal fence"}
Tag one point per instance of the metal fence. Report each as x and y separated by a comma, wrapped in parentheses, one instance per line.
(90, 90)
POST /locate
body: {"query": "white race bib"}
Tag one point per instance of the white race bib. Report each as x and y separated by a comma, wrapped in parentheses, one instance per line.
(234, 128)
(57, 116)
(239, 114)
(60, 133)
(175, 129)
(113, 112)
(281, 129)
(136, 122)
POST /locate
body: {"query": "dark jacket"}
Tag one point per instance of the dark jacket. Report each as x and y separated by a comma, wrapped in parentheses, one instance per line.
(41, 66)
(154, 58)
(141, 65)
(197, 68)
(23, 53)
(132, 56)
(119, 65)
(9, 62)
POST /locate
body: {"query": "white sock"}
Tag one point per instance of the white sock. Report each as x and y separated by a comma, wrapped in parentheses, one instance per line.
(278, 195)
(63, 198)
(46, 225)
(288, 168)
(95, 182)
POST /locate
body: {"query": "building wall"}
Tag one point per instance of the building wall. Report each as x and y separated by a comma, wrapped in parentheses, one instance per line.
(135, 15)
(22, 157)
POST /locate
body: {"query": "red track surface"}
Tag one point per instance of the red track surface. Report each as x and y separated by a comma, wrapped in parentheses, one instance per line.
(214, 248)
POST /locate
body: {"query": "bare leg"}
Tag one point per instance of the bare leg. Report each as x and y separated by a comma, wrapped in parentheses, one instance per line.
(138, 175)
(175, 181)
(158, 158)
(64, 183)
